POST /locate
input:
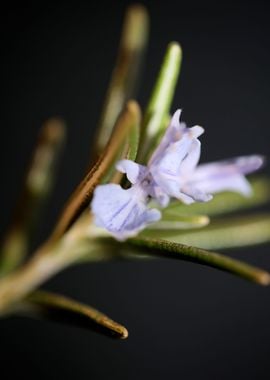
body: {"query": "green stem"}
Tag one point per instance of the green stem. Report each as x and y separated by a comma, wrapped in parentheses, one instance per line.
(52, 257)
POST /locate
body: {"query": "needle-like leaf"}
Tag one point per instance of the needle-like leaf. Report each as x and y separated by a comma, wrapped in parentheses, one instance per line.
(57, 308)
(81, 197)
(126, 151)
(230, 232)
(157, 112)
(38, 184)
(175, 222)
(167, 249)
(126, 72)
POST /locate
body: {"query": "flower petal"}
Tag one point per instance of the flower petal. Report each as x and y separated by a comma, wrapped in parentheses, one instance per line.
(134, 171)
(226, 175)
(159, 195)
(170, 171)
(191, 160)
(173, 133)
(197, 194)
(122, 212)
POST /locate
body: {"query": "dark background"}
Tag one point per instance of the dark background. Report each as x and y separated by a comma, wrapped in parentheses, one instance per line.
(185, 321)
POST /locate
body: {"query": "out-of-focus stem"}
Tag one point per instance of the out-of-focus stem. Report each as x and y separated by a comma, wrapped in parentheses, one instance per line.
(52, 257)
(61, 251)
(81, 243)
(48, 260)
(37, 187)
(158, 109)
(81, 197)
(126, 72)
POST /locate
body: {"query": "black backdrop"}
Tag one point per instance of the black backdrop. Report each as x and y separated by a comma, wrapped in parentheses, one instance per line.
(185, 321)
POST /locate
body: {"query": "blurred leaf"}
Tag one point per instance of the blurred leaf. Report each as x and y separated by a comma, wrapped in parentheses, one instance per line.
(82, 195)
(125, 76)
(174, 221)
(39, 181)
(157, 112)
(57, 308)
(227, 202)
(224, 233)
(128, 151)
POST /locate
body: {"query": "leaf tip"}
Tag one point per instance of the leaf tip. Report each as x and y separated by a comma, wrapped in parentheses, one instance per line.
(54, 130)
(175, 49)
(133, 108)
(124, 334)
(264, 279)
(117, 330)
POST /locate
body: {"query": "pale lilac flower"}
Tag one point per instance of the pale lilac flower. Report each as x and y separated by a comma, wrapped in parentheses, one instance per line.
(124, 213)
(172, 172)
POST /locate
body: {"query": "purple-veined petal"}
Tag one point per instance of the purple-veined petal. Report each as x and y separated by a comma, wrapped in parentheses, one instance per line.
(123, 213)
(135, 172)
(191, 160)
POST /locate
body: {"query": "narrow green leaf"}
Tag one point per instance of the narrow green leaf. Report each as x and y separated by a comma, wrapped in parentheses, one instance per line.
(81, 197)
(167, 249)
(173, 221)
(57, 308)
(125, 76)
(157, 112)
(227, 202)
(128, 150)
(225, 233)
